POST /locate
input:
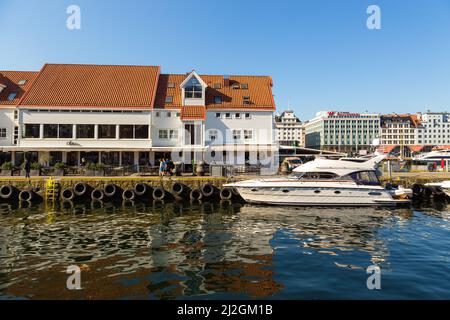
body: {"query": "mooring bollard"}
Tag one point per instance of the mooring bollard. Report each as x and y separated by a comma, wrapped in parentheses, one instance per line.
(196, 194)
(209, 190)
(128, 194)
(180, 190)
(8, 192)
(97, 194)
(82, 189)
(68, 194)
(142, 189)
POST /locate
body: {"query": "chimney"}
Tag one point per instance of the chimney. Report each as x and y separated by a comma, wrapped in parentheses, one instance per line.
(226, 81)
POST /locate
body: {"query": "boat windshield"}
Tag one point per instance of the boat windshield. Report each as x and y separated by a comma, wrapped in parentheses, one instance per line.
(369, 178)
(314, 175)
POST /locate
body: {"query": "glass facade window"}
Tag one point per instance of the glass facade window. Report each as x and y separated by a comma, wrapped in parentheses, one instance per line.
(32, 131)
(141, 132)
(50, 131)
(106, 131)
(127, 158)
(126, 132)
(111, 158)
(65, 131)
(85, 131)
(55, 157)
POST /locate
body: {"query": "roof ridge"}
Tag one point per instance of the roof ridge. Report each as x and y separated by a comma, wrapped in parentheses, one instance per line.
(103, 65)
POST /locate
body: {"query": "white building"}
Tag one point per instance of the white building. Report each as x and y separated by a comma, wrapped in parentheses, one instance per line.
(342, 131)
(290, 129)
(134, 115)
(434, 129)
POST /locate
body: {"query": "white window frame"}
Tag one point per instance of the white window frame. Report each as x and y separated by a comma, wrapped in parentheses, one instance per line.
(212, 133)
(228, 115)
(249, 133)
(160, 136)
(237, 134)
(173, 134)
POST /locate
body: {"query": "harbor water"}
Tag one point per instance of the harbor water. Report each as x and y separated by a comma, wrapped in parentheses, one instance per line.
(222, 251)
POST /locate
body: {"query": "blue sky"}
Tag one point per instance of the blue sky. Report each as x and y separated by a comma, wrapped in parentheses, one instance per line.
(320, 53)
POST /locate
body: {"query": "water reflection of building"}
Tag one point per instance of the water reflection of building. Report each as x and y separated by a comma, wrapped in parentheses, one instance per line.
(166, 251)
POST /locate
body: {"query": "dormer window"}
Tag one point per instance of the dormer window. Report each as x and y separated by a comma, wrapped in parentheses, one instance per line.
(12, 96)
(217, 99)
(244, 86)
(193, 89)
(246, 100)
(236, 86)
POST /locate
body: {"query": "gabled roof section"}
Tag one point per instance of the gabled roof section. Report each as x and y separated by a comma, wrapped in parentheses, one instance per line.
(232, 90)
(193, 74)
(193, 113)
(10, 80)
(93, 86)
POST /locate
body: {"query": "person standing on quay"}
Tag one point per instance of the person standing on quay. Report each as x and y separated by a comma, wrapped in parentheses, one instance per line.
(27, 168)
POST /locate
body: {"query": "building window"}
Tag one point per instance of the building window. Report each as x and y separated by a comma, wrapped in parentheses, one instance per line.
(173, 134)
(85, 131)
(162, 134)
(51, 131)
(237, 115)
(106, 131)
(16, 114)
(169, 99)
(157, 114)
(21, 82)
(127, 158)
(12, 96)
(171, 85)
(110, 158)
(212, 135)
(248, 134)
(236, 134)
(32, 131)
(141, 132)
(169, 114)
(218, 115)
(228, 115)
(247, 116)
(126, 132)
(178, 114)
(2, 133)
(193, 89)
(217, 86)
(246, 100)
(65, 131)
(217, 99)
(236, 86)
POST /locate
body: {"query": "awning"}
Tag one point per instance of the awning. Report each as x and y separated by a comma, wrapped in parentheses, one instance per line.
(387, 148)
(416, 148)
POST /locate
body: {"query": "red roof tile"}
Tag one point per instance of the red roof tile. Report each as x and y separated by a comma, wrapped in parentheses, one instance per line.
(259, 91)
(193, 113)
(11, 79)
(74, 85)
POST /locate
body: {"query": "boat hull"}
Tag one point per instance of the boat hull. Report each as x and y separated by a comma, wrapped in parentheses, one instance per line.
(323, 196)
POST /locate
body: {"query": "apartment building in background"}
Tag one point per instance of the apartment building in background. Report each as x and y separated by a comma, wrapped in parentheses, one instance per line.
(289, 129)
(342, 131)
(134, 115)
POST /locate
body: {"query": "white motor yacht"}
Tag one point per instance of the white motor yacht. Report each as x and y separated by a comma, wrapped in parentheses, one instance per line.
(322, 182)
(433, 156)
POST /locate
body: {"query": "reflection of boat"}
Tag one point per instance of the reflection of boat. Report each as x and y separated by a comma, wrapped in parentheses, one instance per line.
(445, 185)
(322, 182)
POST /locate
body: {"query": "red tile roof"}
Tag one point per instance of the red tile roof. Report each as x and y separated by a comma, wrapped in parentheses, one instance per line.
(193, 113)
(11, 79)
(75, 85)
(259, 91)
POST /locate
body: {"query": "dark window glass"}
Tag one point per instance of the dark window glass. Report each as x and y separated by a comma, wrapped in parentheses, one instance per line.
(144, 158)
(127, 158)
(111, 158)
(193, 89)
(5, 157)
(65, 131)
(106, 131)
(126, 132)
(55, 157)
(32, 131)
(169, 99)
(217, 99)
(50, 131)
(85, 131)
(141, 132)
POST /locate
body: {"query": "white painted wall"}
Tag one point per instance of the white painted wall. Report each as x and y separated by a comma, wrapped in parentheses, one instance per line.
(7, 121)
(163, 122)
(261, 122)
